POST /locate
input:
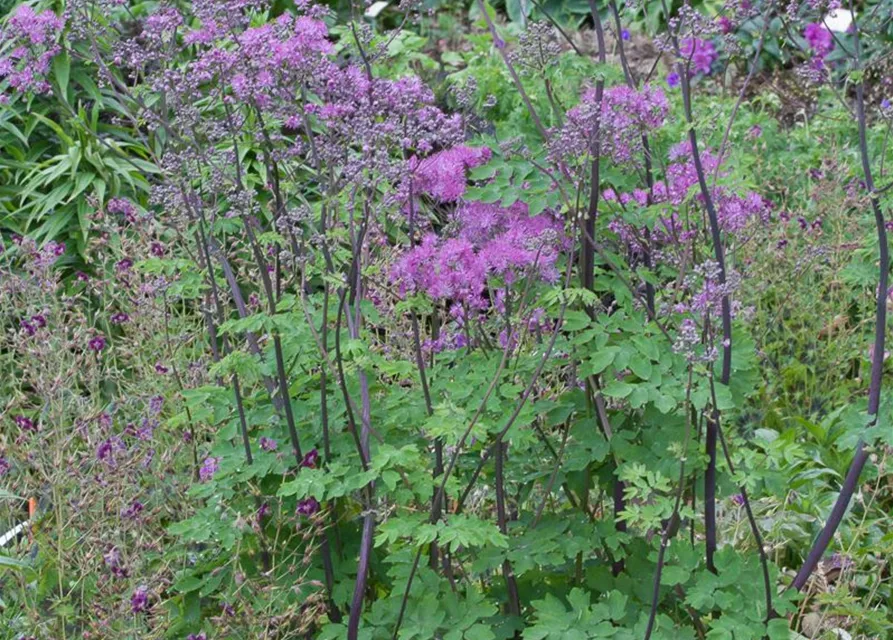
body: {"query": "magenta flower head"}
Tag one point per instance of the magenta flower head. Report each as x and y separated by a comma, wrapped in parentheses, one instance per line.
(307, 507)
(819, 38)
(311, 458)
(96, 344)
(209, 468)
(24, 423)
(268, 444)
(673, 80)
(139, 601)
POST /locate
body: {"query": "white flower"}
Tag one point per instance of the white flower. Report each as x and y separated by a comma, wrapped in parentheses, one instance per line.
(839, 20)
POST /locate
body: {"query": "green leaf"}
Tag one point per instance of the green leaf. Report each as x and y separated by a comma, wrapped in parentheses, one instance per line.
(617, 389)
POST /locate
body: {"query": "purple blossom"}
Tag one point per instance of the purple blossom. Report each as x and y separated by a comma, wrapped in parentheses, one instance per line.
(262, 512)
(4, 466)
(24, 423)
(227, 609)
(112, 559)
(209, 468)
(885, 104)
(725, 25)
(32, 40)
(673, 80)
(122, 207)
(161, 369)
(442, 175)
(139, 601)
(97, 343)
(738, 499)
(624, 34)
(156, 403)
(157, 249)
(39, 320)
(819, 38)
(119, 318)
(310, 459)
(268, 444)
(307, 507)
(701, 53)
(108, 450)
(27, 327)
(133, 510)
(197, 636)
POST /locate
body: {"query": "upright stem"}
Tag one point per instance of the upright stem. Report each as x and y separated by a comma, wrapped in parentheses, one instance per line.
(877, 359)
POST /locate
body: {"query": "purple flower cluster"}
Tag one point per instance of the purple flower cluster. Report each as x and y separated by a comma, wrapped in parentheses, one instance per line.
(442, 174)
(493, 241)
(32, 44)
(701, 53)
(625, 115)
(819, 39)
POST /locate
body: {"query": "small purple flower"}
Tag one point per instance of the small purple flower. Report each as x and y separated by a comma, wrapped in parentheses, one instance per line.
(131, 512)
(97, 343)
(738, 499)
(227, 609)
(310, 459)
(307, 507)
(156, 403)
(112, 560)
(755, 131)
(27, 327)
(139, 601)
(107, 449)
(39, 320)
(24, 423)
(209, 468)
(120, 318)
(268, 444)
(197, 636)
(156, 249)
(4, 466)
(124, 265)
(625, 34)
(160, 368)
(673, 80)
(885, 104)
(262, 512)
